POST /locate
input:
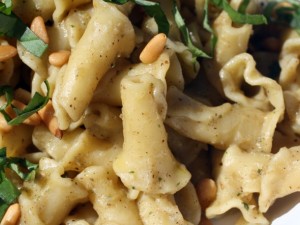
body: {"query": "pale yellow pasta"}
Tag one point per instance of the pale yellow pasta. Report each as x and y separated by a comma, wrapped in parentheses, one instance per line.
(160, 210)
(27, 10)
(122, 141)
(242, 172)
(221, 125)
(117, 39)
(50, 195)
(112, 80)
(108, 197)
(284, 164)
(143, 149)
(231, 42)
(63, 7)
(76, 22)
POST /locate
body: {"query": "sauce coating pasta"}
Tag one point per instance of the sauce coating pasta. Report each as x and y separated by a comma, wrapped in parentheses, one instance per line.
(147, 112)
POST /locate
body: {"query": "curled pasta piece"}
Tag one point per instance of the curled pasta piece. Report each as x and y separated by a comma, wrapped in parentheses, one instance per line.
(50, 195)
(37, 64)
(226, 124)
(69, 151)
(241, 68)
(102, 42)
(160, 210)
(289, 62)
(238, 178)
(145, 149)
(284, 164)
(221, 125)
(108, 90)
(231, 42)
(289, 80)
(63, 7)
(108, 197)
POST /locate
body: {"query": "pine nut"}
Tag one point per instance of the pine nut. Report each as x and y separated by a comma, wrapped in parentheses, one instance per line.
(7, 52)
(47, 114)
(153, 49)
(12, 215)
(59, 58)
(207, 191)
(38, 27)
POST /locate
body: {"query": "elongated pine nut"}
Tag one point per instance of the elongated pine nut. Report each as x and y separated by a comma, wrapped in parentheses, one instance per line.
(47, 114)
(7, 52)
(12, 215)
(207, 191)
(38, 27)
(153, 49)
(59, 58)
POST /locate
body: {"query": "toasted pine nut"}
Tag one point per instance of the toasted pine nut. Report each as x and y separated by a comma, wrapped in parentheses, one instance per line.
(154, 48)
(59, 58)
(33, 120)
(38, 27)
(47, 114)
(12, 215)
(207, 191)
(7, 52)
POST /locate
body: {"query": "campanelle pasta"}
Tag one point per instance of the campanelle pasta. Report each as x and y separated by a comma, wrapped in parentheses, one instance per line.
(138, 139)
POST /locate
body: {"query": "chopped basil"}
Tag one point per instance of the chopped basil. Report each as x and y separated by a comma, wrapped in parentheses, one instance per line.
(8, 191)
(6, 7)
(285, 14)
(243, 6)
(153, 9)
(186, 34)
(238, 17)
(13, 27)
(36, 103)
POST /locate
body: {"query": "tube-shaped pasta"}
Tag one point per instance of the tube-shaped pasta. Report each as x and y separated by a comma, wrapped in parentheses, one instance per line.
(103, 40)
(144, 150)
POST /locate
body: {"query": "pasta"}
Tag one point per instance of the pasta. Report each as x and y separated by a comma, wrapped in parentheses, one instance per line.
(92, 133)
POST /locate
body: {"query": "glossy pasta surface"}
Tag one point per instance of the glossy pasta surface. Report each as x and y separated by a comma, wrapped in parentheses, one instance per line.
(122, 140)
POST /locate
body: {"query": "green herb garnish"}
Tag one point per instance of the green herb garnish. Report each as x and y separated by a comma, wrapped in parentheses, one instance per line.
(153, 9)
(240, 17)
(6, 7)
(36, 103)
(13, 27)
(186, 34)
(285, 14)
(8, 191)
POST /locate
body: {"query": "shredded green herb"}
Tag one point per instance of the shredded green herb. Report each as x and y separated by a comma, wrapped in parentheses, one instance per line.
(240, 16)
(8, 191)
(153, 9)
(286, 15)
(36, 103)
(186, 34)
(6, 7)
(13, 27)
